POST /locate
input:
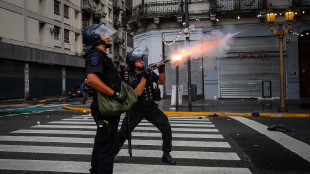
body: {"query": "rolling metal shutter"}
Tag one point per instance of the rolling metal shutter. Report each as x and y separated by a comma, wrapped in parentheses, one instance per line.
(12, 79)
(243, 77)
(74, 77)
(45, 80)
(196, 73)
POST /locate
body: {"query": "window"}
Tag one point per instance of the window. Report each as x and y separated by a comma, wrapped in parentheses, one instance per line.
(56, 7)
(57, 33)
(66, 36)
(129, 41)
(66, 11)
(109, 13)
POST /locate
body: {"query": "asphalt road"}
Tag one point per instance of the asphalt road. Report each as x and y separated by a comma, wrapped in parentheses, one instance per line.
(44, 138)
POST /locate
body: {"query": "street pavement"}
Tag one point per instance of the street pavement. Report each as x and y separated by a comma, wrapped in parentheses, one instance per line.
(45, 138)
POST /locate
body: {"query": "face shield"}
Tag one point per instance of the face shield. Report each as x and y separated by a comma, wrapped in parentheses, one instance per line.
(140, 53)
(105, 31)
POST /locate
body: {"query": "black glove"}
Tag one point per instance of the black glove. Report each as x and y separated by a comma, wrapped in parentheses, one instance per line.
(146, 73)
(120, 97)
(161, 69)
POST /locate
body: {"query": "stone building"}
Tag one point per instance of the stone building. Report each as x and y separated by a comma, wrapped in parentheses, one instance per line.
(250, 67)
(41, 44)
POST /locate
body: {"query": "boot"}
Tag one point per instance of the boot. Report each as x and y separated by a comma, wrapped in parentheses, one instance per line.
(168, 159)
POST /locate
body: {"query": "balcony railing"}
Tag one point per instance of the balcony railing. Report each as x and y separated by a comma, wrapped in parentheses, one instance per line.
(155, 9)
(236, 5)
(89, 6)
(117, 5)
(301, 3)
(85, 24)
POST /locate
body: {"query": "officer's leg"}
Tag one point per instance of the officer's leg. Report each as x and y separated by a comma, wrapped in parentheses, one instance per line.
(93, 169)
(107, 140)
(134, 119)
(160, 120)
(105, 146)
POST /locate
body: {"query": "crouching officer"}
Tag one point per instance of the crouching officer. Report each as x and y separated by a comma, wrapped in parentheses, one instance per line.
(142, 81)
(102, 75)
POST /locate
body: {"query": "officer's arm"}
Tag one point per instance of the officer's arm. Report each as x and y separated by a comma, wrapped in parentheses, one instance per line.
(162, 79)
(140, 87)
(99, 85)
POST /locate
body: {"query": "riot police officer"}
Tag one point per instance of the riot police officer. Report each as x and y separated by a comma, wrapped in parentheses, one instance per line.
(142, 81)
(102, 75)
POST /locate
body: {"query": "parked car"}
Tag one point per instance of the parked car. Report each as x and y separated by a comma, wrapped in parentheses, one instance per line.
(76, 92)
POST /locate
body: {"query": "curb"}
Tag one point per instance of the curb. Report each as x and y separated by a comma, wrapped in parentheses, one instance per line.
(214, 114)
(38, 101)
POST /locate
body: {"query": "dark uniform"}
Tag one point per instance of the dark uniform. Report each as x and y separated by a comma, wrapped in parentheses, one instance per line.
(148, 109)
(105, 145)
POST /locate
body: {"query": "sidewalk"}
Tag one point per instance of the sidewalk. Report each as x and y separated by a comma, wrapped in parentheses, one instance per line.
(19, 101)
(228, 107)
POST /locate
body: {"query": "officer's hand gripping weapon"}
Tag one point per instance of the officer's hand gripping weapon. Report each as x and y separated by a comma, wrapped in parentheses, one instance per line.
(153, 66)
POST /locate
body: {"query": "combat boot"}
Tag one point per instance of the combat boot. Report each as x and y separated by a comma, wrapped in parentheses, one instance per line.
(168, 159)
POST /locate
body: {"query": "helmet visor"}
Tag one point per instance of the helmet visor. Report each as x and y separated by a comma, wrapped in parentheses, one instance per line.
(105, 31)
(140, 53)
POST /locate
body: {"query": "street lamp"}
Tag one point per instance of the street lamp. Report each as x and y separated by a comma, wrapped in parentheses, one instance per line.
(189, 75)
(289, 16)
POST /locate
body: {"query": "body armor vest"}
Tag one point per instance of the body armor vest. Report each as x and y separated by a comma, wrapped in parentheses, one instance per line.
(147, 97)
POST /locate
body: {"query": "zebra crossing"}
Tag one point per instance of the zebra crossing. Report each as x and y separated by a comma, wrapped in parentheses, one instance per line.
(195, 139)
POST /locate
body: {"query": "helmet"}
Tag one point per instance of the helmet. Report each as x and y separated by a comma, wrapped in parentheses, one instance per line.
(94, 34)
(135, 54)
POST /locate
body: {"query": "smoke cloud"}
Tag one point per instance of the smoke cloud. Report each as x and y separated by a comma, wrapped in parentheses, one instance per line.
(214, 45)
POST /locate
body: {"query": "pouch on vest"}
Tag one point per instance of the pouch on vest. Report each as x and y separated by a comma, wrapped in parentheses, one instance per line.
(110, 107)
(157, 93)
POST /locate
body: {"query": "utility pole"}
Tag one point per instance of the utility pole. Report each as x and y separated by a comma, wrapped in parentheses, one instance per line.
(189, 85)
(177, 88)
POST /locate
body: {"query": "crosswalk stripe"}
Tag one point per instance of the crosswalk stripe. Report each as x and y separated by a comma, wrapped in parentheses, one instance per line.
(141, 124)
(137, 128)
(300, 148)
(189, 122)
(134, 141)
(182, 143)
(187, 127)
(119, 168)
(170, 119)
(137, 134)
(123, 152)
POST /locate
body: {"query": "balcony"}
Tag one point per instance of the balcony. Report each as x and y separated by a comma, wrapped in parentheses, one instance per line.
(236, 6)
(119, 41)
(117, 5)
(118, 57)
(116, 24)
(85, 24)
(301, 3)
(155, 9)
(94, 8)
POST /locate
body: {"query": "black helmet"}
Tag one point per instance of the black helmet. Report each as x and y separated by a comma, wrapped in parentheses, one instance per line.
(135, 54)
(94, 34)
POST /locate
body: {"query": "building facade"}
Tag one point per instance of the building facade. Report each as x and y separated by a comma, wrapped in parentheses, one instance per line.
(41, 44)
(250, 66)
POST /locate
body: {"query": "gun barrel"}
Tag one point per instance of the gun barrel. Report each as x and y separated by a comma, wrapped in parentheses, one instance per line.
(165, 61)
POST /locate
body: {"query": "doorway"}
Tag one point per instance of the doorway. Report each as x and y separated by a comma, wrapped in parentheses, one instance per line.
(304, 64)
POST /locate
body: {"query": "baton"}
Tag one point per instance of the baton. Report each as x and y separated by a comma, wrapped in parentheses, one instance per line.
(129, 136)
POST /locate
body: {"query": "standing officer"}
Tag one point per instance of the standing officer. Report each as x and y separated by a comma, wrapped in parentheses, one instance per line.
(102, 75)
(142, 82)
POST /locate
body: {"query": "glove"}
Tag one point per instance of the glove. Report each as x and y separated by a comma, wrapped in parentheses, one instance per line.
(120, 97)
(161, 69)
(146, 73)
